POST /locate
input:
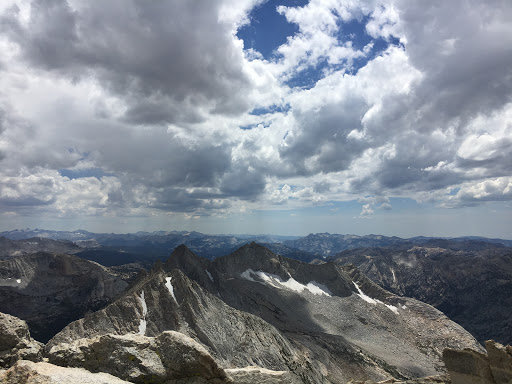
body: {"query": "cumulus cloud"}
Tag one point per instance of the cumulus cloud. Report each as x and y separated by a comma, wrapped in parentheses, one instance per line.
(144, 104)
(169, 61)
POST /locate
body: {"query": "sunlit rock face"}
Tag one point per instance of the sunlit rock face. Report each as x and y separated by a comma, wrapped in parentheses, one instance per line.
(16, 343)
(28, 372)
(136, 358)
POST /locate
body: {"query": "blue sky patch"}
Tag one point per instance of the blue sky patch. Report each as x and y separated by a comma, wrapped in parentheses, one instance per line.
(268, 30)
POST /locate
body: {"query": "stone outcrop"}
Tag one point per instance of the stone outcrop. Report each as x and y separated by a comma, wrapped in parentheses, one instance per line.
(468, 367)
(15, 342)
(500, 360)
(471, 367)
(141, 359)
(28, 372)
(251, 375)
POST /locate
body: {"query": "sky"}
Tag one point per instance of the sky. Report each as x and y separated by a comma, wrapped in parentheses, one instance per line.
(291, 117)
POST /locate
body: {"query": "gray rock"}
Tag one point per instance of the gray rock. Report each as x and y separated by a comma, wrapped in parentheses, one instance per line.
(323, 323)
(27, 372)
(141, 359)
(468, 367)
(233, 337)
(375, 335)
(250, 375)
(15, 342)
(500, 361)
(471, 282)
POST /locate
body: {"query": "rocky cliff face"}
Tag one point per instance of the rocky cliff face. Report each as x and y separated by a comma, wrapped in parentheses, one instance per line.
(16, 343)
(473, 286)
(27, 372)
(320, 323)
(49, 291)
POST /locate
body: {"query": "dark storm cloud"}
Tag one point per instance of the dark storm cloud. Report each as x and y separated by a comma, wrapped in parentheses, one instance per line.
(322, 135)
(243, 183)
(157, 158)
(168, 60)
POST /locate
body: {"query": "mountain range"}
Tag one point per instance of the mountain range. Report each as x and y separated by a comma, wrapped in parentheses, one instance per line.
(471, 282)
(354, 314)
(321, 323)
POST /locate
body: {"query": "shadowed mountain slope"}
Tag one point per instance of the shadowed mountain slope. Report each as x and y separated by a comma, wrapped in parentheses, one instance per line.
(471, 284)
(49, 291)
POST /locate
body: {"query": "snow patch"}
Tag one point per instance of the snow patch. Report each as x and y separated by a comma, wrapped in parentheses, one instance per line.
(368, 299)
(392, 307)
(363, 296)
(143, 323)
(170, 288)
(394, 276)
(142, 327)
(291, 284)
(18, 281)
(209, 275)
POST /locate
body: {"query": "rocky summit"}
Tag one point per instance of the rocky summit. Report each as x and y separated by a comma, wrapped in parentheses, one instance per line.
(16, 343)
(259, 315)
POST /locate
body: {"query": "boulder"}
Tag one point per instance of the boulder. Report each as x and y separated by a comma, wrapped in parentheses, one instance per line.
(28, 372)
(139, 359)
(500, 361)
(250, 375)
(15, 342)
(467, 367)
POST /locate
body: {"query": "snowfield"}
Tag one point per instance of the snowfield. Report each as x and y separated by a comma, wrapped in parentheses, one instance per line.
(291, 284)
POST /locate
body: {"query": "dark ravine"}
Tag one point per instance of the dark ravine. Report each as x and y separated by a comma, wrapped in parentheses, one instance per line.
(322, 323)
(49, 291)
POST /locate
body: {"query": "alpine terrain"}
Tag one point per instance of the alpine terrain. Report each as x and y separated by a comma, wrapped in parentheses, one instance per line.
(318, 323)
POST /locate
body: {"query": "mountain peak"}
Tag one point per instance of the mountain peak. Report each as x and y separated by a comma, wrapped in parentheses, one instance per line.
(194, 266)
(182, 252)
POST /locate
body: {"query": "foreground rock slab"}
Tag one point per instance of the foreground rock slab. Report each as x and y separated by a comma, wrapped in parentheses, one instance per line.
(28, 372)
(500, 361)
(15, 342)
(141, 359)
(471, 367)
(250, 375)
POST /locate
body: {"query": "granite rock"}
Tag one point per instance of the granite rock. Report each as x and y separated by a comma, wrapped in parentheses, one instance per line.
(15, 342)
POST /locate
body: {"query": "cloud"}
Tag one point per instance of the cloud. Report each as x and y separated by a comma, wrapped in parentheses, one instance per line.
(169, 61)
(153, 96)
(470, 194)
